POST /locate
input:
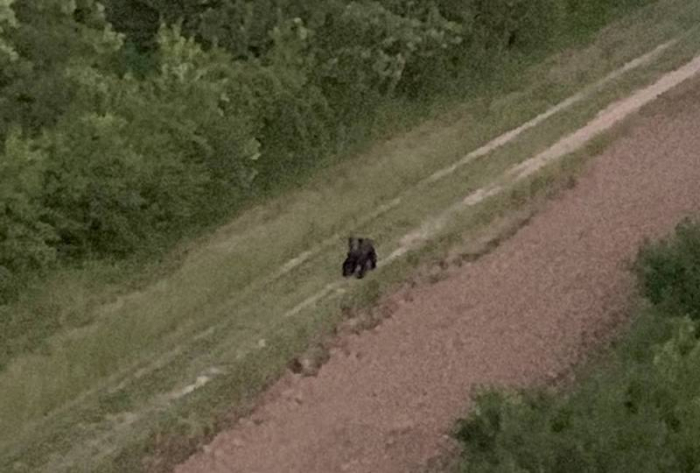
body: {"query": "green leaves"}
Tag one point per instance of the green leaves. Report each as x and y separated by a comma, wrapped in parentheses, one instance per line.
(373, 45)
(214, 102)
(25, 237)
(8, 21)
(48, 36)
(133, 160)
(669, 271)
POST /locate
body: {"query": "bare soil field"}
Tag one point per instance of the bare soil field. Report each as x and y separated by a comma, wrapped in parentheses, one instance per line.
(525, 313)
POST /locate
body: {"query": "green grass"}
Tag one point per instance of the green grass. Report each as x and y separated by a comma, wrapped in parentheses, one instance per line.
(212, 287)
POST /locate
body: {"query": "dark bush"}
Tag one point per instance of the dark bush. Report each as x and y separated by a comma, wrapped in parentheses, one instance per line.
(669, 271)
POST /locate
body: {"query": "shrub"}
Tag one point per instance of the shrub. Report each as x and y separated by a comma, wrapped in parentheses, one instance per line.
(25, 236)
(669, 271)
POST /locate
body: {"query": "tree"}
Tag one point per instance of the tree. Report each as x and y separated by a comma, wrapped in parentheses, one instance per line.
(25, 236)
(48, 35)
(8, 21)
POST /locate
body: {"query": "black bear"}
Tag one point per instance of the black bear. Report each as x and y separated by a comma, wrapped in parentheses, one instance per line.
(361, 255)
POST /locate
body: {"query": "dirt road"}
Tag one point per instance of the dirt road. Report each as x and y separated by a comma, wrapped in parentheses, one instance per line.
(523, 313)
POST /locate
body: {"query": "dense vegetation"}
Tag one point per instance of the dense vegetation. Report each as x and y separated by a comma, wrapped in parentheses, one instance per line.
(640, 414)
(128, 122)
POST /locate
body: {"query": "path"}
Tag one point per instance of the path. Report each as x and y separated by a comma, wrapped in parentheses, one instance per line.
(515, 316)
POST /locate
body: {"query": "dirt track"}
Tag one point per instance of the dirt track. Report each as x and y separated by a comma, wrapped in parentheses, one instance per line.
(521, 314)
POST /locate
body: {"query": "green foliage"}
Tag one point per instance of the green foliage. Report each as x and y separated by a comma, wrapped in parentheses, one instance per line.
(48, 35)
(212, 99)
(669, 271)
(25, 237)
(106, 195)
(371, 46)
(137, 20)
(638, 414)
(7, 21)
(132, 160)
(239, 26)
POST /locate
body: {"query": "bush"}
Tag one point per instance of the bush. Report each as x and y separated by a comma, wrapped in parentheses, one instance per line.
(132, 160)
(26, 238)
(669, 271)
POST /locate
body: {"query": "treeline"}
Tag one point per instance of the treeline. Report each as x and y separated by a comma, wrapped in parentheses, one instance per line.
(641, 413)
(126, 122)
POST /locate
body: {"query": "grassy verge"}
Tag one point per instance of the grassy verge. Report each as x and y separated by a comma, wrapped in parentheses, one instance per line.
(250, 339)
(637, 411)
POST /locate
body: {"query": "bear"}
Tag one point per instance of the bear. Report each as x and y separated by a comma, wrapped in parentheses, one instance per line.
(361, 257)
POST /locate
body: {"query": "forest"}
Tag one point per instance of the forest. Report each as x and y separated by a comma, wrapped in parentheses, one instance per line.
(126, 124)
